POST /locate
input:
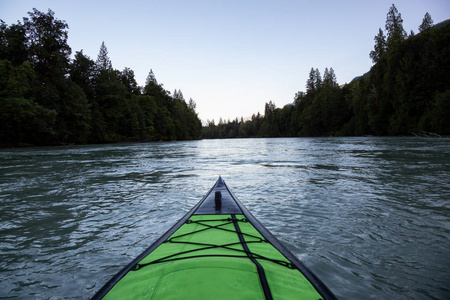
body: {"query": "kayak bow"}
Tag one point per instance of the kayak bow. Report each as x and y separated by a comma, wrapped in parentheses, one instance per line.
(218, 250)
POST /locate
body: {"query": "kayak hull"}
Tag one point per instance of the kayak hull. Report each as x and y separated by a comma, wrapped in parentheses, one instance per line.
(218, 250)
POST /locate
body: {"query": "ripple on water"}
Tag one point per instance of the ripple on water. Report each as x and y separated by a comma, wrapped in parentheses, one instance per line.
(369, 216)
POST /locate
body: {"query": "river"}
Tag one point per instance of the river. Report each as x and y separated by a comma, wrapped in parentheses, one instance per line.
(370, 216)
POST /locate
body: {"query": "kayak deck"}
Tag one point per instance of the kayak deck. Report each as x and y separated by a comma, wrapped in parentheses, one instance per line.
(217, 251)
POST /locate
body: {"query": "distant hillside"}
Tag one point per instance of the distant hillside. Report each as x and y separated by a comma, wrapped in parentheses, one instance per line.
(443, 23)
(436, 26)
(365, 75)
(406, 92)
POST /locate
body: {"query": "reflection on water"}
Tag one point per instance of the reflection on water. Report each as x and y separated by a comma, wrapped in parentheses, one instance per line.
(370, 216)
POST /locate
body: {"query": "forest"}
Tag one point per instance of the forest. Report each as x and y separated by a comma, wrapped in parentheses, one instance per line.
(406, 92)
(47, 98)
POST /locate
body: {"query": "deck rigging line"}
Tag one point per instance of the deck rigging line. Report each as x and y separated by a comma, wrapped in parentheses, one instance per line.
(261, 273)
(205, 246)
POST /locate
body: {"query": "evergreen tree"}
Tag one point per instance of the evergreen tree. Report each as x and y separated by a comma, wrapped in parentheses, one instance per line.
(192, 105)
(394, 28)
(311, 82)
(83, 72)
(427, 23)
(299, 95)
(152, 88)
(45, 99)
(112, 120)
(379, 48)
(317, 80)
(269, 127)
(333, 78)
(314, 82)
(329, 78)
(326, 78)
(406, 91)
(49, 52)
(103, 62)
(151, 79)
(129, 82)
(177, 94)
(74, 115)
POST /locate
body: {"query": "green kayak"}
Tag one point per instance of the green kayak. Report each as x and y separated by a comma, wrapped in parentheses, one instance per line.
(218, 250)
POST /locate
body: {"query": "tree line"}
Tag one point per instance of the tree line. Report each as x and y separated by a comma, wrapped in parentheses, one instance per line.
(406, 91)
(48, 98)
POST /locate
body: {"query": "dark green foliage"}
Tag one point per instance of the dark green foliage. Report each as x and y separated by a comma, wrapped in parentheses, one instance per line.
(324, 110)
(47, 44)
(22, 120)
(47, 99)
(436, 119)
(129, 82)
(13, 43)
(74, 117)
(400, 96)
(380, 46)
(394, 28)
(103, 62)
(427, 23)
(407, 91)
(83, 71)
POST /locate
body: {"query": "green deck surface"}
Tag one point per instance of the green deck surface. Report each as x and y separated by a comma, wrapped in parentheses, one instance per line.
(212, 272)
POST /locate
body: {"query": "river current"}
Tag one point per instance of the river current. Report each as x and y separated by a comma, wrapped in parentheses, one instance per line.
(369, 216)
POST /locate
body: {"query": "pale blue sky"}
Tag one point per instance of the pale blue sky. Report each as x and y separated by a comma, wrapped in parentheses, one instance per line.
(231, 57)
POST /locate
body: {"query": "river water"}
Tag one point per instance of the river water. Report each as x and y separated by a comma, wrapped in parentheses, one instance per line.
(369, 216)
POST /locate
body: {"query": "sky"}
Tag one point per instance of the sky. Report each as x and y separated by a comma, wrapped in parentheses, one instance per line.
(231, 57)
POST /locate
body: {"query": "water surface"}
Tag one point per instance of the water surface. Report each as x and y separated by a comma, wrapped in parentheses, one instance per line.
(369, 216)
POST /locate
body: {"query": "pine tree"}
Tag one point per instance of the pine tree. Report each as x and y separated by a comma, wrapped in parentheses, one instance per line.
(310, 83)
(317, 80)
(314, 81)
(394, 28)
(333, 78)
(177, 94)
(152, 87)
(129, 82)
(180, 95)
(151, 78)
(82, 72)
(326, 78)
(192, 105)
(329, 78)
(427, 23)
(103, 61)
(379, 48)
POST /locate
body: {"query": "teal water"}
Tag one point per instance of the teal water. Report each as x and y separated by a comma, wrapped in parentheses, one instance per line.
(369, 216)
